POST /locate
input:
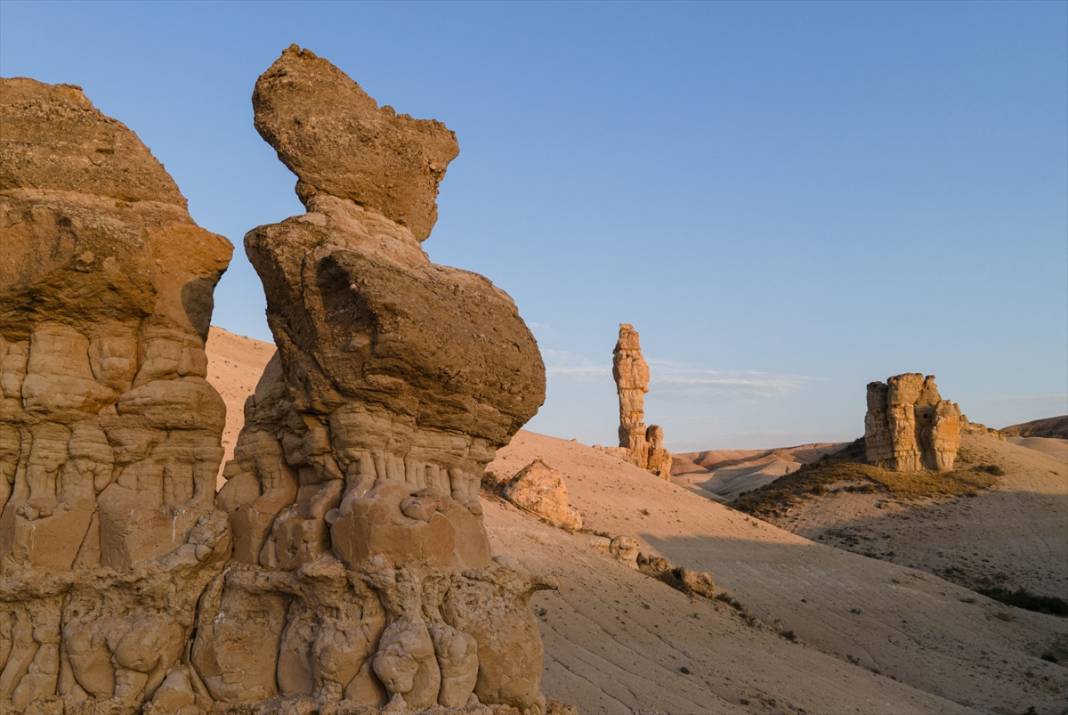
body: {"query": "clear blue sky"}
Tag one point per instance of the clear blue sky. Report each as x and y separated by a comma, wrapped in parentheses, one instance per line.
(788, 200)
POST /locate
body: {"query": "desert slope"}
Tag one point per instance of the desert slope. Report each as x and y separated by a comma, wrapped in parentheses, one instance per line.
(1047, 427)
(617, 641)
(1053, 446)
(914, 627)
(726, 473)
(235, 364)
(1012, 536)
(872, 637)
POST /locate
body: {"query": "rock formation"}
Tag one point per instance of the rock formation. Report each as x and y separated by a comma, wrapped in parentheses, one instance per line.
(644, 446)
(909, 427)
(361, 571)
(109, 433)
(344, 566)
(540, 489)
(627, 550)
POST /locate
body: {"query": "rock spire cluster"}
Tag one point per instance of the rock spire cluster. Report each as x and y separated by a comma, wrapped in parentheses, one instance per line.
(909, 427)
(644, 446)
(344, 564)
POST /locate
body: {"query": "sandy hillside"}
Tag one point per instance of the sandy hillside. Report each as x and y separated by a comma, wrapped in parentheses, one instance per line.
(1013, 535)
(1047, 427)
(235, 364)
(831, 631)
(1054, 447)
(726, 473)
(908, 625)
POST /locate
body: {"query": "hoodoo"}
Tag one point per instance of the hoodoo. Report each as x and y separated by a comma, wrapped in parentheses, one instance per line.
(344, 565)
(362, 571)
(644, 445)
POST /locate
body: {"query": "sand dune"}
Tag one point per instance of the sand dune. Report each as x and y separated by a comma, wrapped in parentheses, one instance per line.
(835, 632)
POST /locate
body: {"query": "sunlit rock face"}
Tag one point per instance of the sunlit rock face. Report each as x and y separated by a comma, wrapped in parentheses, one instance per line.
(541, 490)
(644, 446)
(362, 573)
(109, 432)
(909, 427)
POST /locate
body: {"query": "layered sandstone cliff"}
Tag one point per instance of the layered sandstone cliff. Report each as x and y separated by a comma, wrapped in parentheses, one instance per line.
(109, 433)
(644, 446)
(362, 572)
(909, 427)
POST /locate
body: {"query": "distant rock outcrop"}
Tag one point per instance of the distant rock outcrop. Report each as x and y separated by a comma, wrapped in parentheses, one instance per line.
(109, 432)
(540, 489)
(644, 446)
(909, 427)
(363, 572)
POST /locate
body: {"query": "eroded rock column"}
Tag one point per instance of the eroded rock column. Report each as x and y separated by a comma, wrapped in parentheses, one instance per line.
(909, 427)
(644, 445)
(109, 432)
(363, 573)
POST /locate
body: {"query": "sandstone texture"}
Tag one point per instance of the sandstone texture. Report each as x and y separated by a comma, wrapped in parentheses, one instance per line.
(540, 489)
(317, 119)
(644, 445)
(362, 576)
(909, 427)
(109, 433)
(344, 565)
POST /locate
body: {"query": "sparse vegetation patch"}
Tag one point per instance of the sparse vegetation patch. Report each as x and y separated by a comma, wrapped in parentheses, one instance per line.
(841, 472)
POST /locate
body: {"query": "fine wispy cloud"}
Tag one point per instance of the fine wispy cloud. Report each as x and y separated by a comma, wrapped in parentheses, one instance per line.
(669, 375)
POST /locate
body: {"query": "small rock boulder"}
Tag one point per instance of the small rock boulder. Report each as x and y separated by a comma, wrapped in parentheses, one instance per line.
(540, 489)
(625, 549)
(689, 581)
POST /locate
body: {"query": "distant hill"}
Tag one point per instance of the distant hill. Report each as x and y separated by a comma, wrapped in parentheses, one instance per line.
(1048, 427)
(726, 473)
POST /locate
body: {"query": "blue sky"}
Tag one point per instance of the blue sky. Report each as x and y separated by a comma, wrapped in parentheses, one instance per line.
(788, 200)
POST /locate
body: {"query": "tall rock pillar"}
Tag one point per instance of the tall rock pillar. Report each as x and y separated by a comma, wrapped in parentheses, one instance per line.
(644, 446)
(362, 570)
